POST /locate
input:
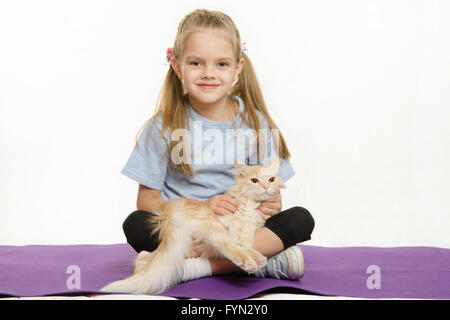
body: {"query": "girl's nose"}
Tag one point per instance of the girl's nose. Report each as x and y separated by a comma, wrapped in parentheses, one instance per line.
(208, 72)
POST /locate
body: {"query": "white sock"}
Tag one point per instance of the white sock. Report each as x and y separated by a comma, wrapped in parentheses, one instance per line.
(195, 268)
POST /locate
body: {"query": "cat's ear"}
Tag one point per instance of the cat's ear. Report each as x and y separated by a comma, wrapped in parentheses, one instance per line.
(240, 169)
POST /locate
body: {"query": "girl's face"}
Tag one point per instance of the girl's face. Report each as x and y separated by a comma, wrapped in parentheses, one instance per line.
(208, 66)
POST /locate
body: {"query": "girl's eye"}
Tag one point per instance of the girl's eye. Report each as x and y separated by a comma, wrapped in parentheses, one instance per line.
(254, 180)
(271, 179)
(221, 64)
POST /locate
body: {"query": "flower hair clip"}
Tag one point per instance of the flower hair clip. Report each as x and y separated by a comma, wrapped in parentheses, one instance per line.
(243, 47)
(169, 54)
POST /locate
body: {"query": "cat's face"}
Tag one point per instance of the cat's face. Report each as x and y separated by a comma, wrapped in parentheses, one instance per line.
(259, 182)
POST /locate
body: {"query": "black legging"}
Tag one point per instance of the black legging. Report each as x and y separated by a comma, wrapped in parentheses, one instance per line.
(292, 226)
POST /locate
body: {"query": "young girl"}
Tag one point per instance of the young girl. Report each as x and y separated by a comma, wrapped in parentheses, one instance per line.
(209, 98)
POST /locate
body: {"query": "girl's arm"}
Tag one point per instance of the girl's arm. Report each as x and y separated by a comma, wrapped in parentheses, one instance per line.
(148, 199)
(222, 204)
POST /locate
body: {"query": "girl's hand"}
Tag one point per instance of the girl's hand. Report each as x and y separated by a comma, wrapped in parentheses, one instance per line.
(222, 204)
(271, 206)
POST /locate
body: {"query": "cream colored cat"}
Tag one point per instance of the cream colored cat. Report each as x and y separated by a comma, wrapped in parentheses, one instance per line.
(182, 220)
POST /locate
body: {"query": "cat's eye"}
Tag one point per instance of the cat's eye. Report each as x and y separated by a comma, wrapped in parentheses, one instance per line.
(271, 179)
(254, 180)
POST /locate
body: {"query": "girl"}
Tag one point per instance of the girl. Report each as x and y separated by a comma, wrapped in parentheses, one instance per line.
(210, 99)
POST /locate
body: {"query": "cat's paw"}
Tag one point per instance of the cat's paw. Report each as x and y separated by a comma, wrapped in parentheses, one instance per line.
(245, 261)
(260, 259)
(250, 266)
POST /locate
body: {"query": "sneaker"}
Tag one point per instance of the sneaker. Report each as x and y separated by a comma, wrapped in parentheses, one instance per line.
(288, 264)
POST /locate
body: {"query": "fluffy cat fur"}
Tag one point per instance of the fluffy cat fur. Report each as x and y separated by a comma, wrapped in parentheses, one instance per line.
(182, 220)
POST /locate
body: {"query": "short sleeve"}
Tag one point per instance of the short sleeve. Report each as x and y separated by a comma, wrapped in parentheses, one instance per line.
(270, 153)
(147, 163)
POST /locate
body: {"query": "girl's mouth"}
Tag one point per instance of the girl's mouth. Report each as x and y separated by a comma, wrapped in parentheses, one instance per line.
(208, 86)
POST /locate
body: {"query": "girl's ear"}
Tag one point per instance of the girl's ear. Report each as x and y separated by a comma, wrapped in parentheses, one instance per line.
(176, 67)
(239, 66)
(240, 169)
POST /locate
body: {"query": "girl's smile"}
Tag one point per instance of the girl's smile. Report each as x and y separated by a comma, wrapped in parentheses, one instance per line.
(208, 86)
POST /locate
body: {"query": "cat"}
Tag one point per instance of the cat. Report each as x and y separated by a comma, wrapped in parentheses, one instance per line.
(182, 221)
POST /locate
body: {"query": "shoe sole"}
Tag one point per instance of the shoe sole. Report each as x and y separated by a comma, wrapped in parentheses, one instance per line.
(296, 263)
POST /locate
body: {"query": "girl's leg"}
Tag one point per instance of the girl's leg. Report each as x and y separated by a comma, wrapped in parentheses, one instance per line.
(266, 242)
(281, 231)
(138, 231)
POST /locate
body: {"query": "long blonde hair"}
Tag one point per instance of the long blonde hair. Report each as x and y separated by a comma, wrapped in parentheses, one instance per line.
(172, 100)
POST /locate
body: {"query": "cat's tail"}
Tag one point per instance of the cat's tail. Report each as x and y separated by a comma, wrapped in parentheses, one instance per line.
(164, 265)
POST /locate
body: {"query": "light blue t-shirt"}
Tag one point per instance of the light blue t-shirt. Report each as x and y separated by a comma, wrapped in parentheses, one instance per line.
(215, 147)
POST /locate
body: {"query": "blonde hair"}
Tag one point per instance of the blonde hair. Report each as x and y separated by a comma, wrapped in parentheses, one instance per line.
(172, 100)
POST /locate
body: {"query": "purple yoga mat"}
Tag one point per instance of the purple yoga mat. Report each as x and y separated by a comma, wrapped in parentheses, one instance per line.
(368, 272)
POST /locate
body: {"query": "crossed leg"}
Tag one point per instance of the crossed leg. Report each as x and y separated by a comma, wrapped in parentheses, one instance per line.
(266, 242)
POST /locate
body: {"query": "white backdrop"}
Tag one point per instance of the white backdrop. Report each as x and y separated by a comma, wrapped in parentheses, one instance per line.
(360, 90)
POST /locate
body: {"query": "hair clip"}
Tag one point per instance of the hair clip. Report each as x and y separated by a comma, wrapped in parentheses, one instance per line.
(243, 47)
(169, 54)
